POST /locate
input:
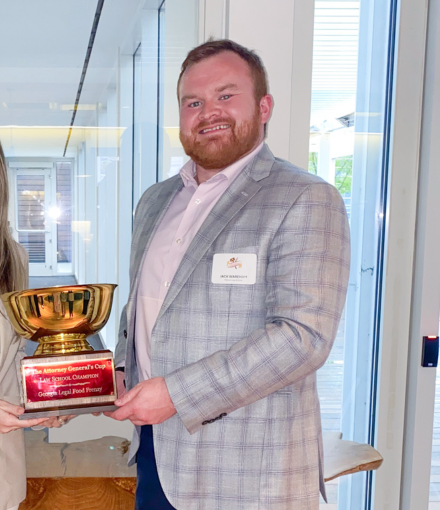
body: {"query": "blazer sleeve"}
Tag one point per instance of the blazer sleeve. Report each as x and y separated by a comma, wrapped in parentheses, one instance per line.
(306, 282)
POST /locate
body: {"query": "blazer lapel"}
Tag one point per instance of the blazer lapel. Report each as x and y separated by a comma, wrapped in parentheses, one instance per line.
(242, 189)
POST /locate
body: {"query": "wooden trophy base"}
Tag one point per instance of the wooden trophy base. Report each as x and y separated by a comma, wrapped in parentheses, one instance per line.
(103, 408)
(68, 384)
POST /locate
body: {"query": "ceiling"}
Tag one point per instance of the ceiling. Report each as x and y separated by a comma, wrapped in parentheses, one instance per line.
(44, 45)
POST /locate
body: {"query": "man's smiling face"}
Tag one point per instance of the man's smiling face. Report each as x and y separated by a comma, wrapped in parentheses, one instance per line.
(220, 119)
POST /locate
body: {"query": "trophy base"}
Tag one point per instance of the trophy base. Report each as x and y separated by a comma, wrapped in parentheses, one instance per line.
(70, 384)
(48, 413)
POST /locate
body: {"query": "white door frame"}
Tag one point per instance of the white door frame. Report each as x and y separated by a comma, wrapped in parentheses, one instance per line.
(402, 280)
(425, 306)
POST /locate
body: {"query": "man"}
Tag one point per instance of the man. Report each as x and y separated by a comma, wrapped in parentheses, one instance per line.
(239, 268)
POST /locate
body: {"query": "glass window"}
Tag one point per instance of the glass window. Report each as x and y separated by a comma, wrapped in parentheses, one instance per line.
(85, 134)
(177, 35)
(161, 132)
(434, 493)
(137, 123)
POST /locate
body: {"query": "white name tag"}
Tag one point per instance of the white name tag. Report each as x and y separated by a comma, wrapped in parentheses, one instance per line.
(234, 268)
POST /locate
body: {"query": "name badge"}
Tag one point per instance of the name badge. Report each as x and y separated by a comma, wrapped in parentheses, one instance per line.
(234, 268)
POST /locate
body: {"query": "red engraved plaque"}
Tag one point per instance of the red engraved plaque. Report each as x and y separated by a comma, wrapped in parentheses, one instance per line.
(68, 380)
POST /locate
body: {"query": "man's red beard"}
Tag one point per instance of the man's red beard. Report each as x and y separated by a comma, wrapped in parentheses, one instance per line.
(218, 152)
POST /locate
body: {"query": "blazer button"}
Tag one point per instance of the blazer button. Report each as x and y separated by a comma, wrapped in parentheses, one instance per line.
(125, 333)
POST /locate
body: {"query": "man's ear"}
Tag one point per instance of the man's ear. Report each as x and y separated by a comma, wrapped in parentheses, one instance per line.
(266, 107)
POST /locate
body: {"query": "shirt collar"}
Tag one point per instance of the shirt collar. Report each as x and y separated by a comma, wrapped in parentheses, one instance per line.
(188, 171)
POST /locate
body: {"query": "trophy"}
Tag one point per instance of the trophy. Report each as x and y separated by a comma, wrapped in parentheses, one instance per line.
(65, 375)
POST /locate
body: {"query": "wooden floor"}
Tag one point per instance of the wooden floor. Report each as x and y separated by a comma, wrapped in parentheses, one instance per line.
(80, 494)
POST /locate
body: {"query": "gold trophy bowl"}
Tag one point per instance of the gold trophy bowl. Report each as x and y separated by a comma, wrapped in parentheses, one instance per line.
(65, 375)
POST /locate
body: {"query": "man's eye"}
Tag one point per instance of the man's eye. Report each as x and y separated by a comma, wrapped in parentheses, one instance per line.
(226, 96)
(194, 104)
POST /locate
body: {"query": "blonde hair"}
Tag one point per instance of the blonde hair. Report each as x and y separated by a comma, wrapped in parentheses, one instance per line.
(13, 271)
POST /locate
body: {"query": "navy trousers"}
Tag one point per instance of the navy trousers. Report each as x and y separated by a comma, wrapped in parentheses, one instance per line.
(149, 493)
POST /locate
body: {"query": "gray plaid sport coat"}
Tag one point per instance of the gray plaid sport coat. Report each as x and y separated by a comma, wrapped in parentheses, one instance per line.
(240, 361)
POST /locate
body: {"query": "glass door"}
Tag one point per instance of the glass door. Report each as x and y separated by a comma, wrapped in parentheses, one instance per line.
(348, 137)
(35, 219)
(434, 493)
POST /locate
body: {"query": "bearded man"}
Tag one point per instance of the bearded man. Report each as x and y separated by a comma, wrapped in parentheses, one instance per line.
(239, 270)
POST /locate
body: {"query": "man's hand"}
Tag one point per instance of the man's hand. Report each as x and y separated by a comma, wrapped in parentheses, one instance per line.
(148, 403)
(120, 386)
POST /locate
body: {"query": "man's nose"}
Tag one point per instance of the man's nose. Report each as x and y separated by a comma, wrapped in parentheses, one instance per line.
(209, 110)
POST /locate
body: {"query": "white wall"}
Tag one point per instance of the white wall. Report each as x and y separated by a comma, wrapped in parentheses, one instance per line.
(275, 48)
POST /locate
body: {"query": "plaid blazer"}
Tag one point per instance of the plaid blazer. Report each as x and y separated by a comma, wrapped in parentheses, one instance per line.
(240, 361)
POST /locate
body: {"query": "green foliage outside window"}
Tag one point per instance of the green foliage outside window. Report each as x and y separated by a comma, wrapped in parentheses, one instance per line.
(343, 171)
(343, 174)
(313, 163)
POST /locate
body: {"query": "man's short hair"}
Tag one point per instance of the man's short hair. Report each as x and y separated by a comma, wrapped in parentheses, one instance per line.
(214, 47)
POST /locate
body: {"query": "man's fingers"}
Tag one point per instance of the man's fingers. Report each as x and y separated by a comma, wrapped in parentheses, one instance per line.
(127, 397)
(111, 414)
(138, 422)
(123, 413)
